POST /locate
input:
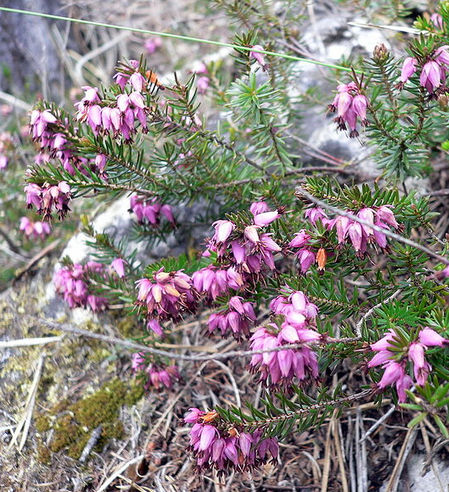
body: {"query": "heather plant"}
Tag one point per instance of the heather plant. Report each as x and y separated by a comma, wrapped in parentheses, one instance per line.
(308, 273)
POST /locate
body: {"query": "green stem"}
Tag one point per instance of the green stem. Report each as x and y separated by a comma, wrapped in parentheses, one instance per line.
(390, 95)
(382, 129)
(170, 35)
(211, 138)
(133, 169)
(421, 116)
(306, 411)
(294, 172)
(109, 186)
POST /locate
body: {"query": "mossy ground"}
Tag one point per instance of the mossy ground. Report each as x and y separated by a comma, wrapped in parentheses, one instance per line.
(84, 384)
(73, 424)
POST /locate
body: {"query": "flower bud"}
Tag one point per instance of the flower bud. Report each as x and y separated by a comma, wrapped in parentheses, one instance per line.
(380, 53)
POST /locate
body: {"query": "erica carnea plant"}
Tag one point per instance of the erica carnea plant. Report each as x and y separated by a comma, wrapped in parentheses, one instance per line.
(310, 274)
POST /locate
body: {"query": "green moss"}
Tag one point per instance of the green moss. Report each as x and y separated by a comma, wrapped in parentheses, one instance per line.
(134, 393)
(60, 407)
(67, 433)
(42, 423)
(112, 430)
(102, 406)
(73, 429)
(129, 327)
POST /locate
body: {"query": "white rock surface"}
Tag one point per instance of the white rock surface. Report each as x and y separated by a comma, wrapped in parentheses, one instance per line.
(415, 481)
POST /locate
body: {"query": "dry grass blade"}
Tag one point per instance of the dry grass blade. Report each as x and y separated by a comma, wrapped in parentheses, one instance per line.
(232, 380)
(378, 423)
(335, 426)
(48, 249)
(119, 472)
(358, 328)
(172, 404)
(426, 441)
(327, 461)
(409, 30)
(316, 470)
(27, 342)
(361, 458)
(403, 454)
(98, 51)
(24, 424)
(14, 101)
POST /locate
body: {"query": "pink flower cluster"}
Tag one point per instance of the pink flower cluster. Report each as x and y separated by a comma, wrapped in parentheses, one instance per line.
(159, 375)
(214, 281)
(433, 72)
(350, 103)
(72, 283)
(167, 295)
(277, 369)
(40, 126)
(47, 198)
(203, 81)
(52, 136)
(34, 229)
(119, 116)
(305, 255)
(394, 361)
(247, 250)
(359, 235)
(150, 210)
(224, 448)
(236, 319)
(131, 77)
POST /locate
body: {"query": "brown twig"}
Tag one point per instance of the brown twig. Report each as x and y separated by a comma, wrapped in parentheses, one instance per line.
(409, 440)
(198, 358)
(48, 249)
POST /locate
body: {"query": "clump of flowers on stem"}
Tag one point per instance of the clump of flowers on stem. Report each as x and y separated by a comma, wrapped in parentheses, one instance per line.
(350, 104)
(213, 281)
(243, 247)
(236, 319)
(349, 230)
(150, 210)
(34, 230)
(167, 295)
(394, 361)
(54, 137)
(73, 284)
(47, 198)
(296, 319)
(158, 375)
(218, 445)
(433, 71)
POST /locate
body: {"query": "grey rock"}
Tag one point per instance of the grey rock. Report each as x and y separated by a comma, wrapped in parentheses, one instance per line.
(28, 55)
